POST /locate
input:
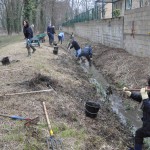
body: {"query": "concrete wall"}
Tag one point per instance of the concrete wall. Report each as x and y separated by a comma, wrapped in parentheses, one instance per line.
(137, 21)
(129, 33)
(108, 31)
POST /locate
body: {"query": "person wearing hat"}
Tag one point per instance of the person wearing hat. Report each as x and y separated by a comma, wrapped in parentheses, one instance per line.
(142, 97)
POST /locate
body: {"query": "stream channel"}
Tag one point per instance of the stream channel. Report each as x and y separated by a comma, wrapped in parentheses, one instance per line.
(127, 117)
(130, 118)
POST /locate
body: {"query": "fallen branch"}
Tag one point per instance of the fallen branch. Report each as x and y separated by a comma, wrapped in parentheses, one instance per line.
(10, 70)
(31, 92)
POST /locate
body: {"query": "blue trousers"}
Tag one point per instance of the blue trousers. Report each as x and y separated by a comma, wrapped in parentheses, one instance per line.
(51, 38)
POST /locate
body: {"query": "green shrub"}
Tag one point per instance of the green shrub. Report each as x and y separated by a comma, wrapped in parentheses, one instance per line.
(116, 13)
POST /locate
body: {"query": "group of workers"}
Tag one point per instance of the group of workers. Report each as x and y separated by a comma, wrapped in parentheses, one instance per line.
(80, 53)
(142, 97)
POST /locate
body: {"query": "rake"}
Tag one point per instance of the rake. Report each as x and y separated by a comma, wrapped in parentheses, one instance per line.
(52, 143)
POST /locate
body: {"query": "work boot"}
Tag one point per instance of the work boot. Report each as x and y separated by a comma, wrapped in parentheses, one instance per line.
(33, 49)
(29, 52)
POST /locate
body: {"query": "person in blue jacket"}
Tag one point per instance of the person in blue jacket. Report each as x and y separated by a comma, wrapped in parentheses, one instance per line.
(60, 37)
(142, 97)
(28, 33)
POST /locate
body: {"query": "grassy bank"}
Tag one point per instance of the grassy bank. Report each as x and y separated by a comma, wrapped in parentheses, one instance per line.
(9, 39)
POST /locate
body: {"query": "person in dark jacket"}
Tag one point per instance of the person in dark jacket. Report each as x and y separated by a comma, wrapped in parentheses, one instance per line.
(50, 33)
(75, 45)
(142, 97)
(28, 33)
(85, 52)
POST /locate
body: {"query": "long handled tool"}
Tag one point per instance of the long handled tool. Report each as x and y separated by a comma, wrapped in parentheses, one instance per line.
(54, 144)
(28, 122)
(132, 90)
(22, 93)
(15, 117)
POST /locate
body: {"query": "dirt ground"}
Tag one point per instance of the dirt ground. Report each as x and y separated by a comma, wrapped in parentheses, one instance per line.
(65, 103)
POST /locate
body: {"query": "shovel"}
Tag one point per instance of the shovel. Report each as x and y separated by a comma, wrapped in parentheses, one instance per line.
(52, 143)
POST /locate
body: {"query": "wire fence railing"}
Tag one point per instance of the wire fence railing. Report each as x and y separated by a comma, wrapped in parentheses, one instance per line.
(92, 14)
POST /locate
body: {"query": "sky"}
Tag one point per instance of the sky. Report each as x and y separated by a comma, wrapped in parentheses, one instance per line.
(81, 4)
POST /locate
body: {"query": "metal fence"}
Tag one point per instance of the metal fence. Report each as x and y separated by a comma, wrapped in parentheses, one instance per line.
(102, 11)
(92, 14)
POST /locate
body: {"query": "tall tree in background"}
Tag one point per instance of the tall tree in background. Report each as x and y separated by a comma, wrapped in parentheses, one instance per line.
(12, 10)
(37, 12)
(29, 10)
(53, 22)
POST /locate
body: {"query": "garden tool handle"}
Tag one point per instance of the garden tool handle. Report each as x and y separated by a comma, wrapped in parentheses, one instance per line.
(132, 90)
(47, 119)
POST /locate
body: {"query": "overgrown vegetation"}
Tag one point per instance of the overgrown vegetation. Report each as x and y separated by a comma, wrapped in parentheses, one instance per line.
(116, 13)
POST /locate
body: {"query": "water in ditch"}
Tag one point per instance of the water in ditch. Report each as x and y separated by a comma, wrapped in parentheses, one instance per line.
(127, 117)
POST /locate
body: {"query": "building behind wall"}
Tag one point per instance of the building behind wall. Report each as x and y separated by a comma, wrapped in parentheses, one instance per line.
(129, 4)
(105, 8)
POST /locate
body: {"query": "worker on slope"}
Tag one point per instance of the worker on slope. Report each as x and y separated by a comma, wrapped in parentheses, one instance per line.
(142, 97)
(85, 52)
(28, 33)
(60, 37)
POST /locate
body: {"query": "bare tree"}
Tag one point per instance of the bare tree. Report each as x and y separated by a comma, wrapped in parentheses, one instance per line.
(38, 12)
(12, 10)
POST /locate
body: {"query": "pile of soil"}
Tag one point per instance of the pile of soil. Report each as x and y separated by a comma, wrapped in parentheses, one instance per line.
(41, 81)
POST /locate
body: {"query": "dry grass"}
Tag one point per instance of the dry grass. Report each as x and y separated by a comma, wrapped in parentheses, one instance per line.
(64, 104)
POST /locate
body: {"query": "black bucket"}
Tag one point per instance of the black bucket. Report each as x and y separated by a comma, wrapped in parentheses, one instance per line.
(91, 109)
(5, 61)
(55, 51)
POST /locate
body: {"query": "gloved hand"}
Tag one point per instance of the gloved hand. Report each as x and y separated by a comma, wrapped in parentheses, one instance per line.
(125, 90)
(144, 93)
